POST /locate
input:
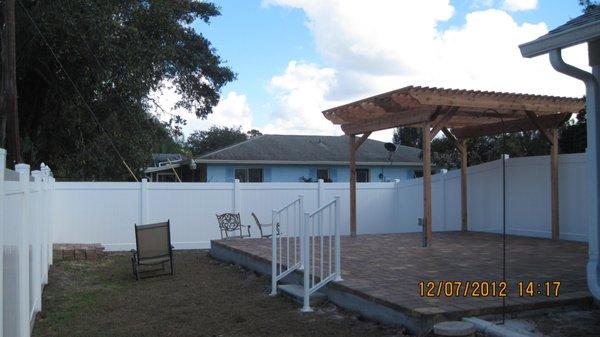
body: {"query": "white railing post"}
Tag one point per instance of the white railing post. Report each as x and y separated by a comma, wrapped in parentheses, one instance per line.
(44, 220)
(50, 207)
(301, 229)
(338, 248)
(237, 198)
(273, 254)
(144, 202)
(2, 215)
(306, 306)
(24, 330)
(37, 239)
(320, 193)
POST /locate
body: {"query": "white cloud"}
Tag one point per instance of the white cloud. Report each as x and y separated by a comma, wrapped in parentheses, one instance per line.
(299, 95)
(520, 5)
(381, 45)
(233, 110)
(386, 44)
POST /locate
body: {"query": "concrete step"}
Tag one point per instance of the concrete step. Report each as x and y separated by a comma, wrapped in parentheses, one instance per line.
(296, 292)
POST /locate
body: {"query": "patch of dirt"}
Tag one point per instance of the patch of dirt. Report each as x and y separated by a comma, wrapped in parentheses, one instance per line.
(204, 298)
(567, 324)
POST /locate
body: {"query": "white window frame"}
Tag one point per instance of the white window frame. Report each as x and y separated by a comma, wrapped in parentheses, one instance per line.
(326, 170)
(246, 171)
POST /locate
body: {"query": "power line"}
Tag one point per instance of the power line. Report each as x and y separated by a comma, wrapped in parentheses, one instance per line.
(94, 117)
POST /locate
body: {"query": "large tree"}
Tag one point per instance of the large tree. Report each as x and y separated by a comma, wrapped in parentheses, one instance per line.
(589, 5)
(204, 141)
(87, 112)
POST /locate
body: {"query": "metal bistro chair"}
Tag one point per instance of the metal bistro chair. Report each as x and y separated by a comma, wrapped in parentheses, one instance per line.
(153, 247)
(231, 223)
(261, 225)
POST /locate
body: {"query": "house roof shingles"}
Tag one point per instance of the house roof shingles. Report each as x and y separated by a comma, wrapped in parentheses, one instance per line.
(309, 149)
(585, 27)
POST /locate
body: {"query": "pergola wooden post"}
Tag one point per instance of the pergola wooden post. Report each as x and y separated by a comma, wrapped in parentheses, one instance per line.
(427, 182)
(460, 114)
(354, 145)
(554, 184)
(461, 145)
(463, 186)
(352, 139)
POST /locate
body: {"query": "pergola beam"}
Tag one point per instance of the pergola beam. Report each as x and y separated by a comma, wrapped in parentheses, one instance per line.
(481, 100)
(536, 122)
(453, 139)
(361, 140)
(450, 112)
(386, 122)
(517, 125)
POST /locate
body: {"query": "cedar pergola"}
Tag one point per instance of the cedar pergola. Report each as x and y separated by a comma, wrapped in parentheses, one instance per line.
(459, 114)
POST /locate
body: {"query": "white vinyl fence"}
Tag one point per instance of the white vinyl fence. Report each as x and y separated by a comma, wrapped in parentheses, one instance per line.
(104, 212)
(25, 236)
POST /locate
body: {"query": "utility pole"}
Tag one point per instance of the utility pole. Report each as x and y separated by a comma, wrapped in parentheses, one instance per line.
(8, 105)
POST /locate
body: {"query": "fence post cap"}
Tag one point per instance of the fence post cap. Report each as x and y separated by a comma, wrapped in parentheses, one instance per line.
(36, 174)
(144, 180)
(321, 181)
(2, 152)
(22, 167)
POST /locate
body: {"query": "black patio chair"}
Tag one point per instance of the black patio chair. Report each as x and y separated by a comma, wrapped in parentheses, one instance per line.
(261, 225)
(231, 223)
(153, 247)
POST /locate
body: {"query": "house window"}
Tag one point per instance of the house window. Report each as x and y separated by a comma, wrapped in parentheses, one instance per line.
(418, 174)
(323, 174)
(255, 175)
(249, 175)
(362, 175)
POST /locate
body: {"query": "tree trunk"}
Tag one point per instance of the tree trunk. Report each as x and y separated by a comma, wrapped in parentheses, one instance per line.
(9, 134)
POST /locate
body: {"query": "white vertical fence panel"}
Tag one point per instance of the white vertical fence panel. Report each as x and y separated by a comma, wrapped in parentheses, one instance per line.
(24, 238)
(190, 209)
(96, 212)
(24, 251)
(105, 212)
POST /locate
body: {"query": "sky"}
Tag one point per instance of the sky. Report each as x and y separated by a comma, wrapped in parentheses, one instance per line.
(296, 58)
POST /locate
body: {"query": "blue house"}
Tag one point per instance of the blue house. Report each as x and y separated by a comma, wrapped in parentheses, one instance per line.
(287, 158)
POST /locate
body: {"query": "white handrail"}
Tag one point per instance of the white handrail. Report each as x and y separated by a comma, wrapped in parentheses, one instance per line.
(322, 208)
(282, 233)
(328, 216)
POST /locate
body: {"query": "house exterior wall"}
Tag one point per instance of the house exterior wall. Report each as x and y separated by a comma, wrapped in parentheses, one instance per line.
(292, 173)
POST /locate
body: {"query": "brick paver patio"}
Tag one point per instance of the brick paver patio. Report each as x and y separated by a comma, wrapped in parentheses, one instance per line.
(387, 269)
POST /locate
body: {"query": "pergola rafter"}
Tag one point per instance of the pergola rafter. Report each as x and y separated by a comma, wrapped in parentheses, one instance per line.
(459, 114)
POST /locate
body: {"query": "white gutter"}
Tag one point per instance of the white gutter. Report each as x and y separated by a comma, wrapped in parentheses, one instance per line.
(291, 162)
(592, 159)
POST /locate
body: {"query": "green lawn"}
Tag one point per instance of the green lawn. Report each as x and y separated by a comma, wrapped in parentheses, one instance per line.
(204, 298)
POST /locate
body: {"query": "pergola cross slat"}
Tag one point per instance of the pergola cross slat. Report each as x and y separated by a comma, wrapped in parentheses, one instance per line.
(459, 114)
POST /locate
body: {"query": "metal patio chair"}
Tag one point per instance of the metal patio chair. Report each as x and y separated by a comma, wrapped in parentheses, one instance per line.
(261, 225)
(231, 223)
(153, 247)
